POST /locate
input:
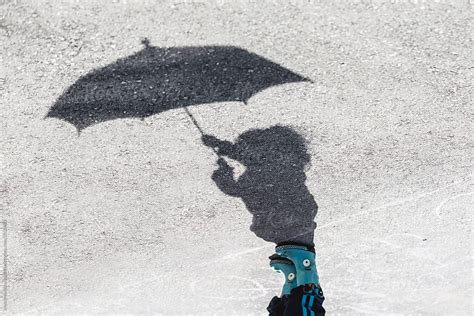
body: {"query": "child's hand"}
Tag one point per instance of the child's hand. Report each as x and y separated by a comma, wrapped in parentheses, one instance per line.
(210, 141)
(223, 165)
(224, 172)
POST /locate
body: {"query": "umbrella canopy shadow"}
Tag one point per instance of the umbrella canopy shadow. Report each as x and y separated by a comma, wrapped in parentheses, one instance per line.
(158, 79)
(273, 185)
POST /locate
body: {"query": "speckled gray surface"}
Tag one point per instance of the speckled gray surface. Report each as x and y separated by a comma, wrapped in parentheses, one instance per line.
(125, 217)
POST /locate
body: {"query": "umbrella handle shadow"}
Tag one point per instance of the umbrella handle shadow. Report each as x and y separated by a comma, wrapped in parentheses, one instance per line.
(195, 122)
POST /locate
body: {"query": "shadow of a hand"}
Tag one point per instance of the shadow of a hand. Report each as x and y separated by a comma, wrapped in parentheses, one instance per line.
(224, 171)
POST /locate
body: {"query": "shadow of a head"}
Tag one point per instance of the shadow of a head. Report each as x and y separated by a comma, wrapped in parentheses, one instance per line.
(275, 147)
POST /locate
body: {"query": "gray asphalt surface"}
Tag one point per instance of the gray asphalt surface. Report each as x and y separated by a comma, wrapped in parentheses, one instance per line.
(125, 218)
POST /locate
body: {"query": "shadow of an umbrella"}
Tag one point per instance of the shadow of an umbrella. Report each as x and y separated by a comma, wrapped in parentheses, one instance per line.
(158, 79)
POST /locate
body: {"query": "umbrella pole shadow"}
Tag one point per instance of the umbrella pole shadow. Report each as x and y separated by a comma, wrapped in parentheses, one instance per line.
(195, 122)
